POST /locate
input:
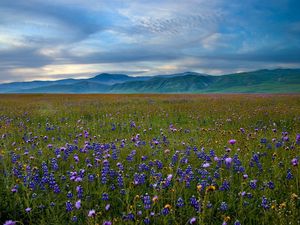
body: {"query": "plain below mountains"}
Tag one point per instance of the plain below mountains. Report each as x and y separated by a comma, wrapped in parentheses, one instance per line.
(261, 81)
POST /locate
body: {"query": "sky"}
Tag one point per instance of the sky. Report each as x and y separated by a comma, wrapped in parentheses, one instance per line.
(56, 39)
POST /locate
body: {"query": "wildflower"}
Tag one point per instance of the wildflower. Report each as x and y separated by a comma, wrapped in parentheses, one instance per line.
(232, 141)
(199, 187)
(107, 223)
(9, 222)
(252, 184)
(228, 162)
(92, 213)
(105, 197)
(155, 198)
(107, 207)
(273, 206)
(147, 201)
(74, 219)
(289, 175)
(294, 196)
(69, 194)
(193, 220)
(227, 218)
(206, 165)
(263, 141)
(225, 186)
(14, 189)
(168, 206)
(195, 204)
(298, 138)
(69, 206)
(170, 176)
(210, 188)
(265, 203)
(209, 205)
(223, 206)
(78, 204)
(237, 222)
(146, 220)
(166, 209)
(282, 205)
(28, 209)
(295, 161)
(180, 202)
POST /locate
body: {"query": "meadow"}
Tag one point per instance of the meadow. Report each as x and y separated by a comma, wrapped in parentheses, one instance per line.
(149, 159)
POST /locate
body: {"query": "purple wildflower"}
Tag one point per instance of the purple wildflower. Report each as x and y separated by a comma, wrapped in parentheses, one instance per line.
(78, 204)
(193, 220)
(28, 209)
(92, 213)
(232, 141)
(237, 222)
(9, 222)
(223, 206)
(228, 162)
(205, 165)
(295, 162)
(107, 223)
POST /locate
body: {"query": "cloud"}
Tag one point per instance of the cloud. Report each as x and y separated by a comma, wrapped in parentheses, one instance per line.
(23, 57)
(55, 38)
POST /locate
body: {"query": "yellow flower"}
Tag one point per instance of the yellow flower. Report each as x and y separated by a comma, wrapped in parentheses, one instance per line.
(226, 218)
(210, 188)
(136, 197)
(199, 187)
(282, 205)
(155, 199)
(168, 206)
(294, 196)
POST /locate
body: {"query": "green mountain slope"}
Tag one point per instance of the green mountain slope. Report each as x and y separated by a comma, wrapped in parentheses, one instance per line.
(261, 81)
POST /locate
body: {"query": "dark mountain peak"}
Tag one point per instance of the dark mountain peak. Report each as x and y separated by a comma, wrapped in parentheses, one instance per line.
(191, 73)
(103, 76)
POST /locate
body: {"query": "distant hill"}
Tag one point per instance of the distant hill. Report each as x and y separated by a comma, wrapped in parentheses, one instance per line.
(260, 81)
(173, 84)
(78, 87)
(106, 78)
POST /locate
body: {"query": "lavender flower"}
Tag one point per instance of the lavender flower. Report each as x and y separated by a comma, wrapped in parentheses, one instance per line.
(28, 210)
(9, 222)
(193, 220)
(295, 161)
(228, 162)
(78, 204)
(92, 213)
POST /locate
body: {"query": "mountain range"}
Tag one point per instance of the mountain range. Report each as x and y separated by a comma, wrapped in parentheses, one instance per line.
(260, 81)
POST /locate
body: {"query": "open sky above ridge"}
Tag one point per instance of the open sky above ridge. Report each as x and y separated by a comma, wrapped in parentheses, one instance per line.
(54, 39)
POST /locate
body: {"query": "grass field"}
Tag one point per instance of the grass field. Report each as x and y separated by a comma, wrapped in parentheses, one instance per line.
(150, 159)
